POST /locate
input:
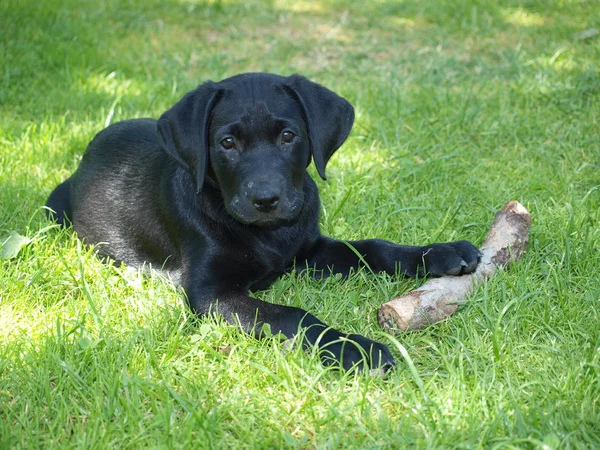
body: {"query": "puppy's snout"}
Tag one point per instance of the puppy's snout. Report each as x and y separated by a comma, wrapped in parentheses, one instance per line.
(264, 198)
(266, 204)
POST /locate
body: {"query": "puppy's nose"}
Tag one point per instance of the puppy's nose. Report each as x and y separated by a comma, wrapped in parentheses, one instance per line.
(265, 203)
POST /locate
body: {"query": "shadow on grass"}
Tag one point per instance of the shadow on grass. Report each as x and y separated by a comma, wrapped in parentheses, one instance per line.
(85, 56)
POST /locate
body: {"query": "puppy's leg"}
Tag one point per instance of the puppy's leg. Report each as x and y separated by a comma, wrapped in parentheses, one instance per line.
(332, 256)
(59, 201)
(337, 348)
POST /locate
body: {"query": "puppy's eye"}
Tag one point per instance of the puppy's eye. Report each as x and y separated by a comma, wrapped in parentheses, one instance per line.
(287, 137)
(228, 143)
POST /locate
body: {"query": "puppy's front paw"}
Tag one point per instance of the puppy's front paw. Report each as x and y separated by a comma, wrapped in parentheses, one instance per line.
(356, 352)
(452, 258)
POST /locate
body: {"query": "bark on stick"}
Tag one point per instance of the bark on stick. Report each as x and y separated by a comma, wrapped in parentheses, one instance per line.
(438, 298)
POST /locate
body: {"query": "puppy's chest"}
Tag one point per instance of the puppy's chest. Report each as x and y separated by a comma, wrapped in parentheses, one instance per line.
(267, 253)
(258, 256)
(271, 257)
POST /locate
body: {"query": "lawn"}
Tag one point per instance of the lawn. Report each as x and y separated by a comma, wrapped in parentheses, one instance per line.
(461, 106)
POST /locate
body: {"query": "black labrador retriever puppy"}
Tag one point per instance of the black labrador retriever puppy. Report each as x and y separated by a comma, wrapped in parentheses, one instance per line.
(216, 196)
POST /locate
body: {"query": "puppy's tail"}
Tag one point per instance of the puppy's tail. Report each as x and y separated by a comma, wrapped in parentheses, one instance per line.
(59, 204)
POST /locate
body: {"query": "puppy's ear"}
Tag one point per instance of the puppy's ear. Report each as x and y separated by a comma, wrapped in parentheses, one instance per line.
(328, 116)
(183, 130)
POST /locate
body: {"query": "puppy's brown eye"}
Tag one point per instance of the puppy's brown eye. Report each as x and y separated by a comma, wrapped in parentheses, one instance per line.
(228, 143)
(287, 137)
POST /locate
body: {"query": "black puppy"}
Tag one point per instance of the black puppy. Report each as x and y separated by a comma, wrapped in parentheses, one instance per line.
(216, 195)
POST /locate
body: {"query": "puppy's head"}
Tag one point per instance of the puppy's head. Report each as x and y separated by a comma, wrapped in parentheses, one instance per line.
(253, 136)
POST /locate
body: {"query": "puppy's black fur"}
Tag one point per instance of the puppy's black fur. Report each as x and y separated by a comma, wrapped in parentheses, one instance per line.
(216, 195)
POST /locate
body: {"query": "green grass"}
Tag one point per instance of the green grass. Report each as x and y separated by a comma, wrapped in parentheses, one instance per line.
(461, 106)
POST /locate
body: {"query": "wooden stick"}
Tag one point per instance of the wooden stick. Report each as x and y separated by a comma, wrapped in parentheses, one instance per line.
(438, 298)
